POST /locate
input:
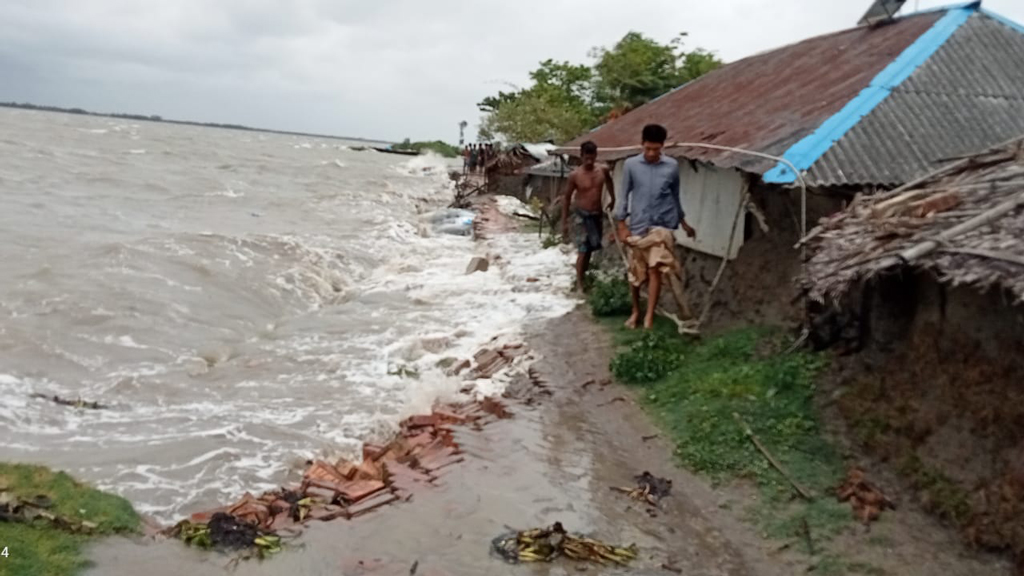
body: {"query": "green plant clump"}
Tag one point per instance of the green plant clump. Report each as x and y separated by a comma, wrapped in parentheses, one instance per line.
(610, 298)
(648, 359)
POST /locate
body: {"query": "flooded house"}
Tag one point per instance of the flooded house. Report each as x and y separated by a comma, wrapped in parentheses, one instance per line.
(769, 144)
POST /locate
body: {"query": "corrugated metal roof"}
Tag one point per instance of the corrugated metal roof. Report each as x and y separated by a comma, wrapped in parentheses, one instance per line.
(770, 101)
(968, 96)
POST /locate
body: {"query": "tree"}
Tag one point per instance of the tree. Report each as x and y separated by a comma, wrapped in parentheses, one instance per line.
(638, 69)
(566, 99)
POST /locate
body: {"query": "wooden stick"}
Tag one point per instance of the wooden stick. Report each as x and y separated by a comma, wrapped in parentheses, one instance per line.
(1004, 256)
(725, 259)
(924, 248)
(771, 459)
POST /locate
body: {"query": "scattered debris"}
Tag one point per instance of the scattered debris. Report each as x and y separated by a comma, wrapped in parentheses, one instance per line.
(671, 568)
(79, 403)
(613, 401)
(866, 499)
(588, 383)
(424, 447)
(547, 544)
(651, 437)
(478, 264)
(37, 509)
(649, 488)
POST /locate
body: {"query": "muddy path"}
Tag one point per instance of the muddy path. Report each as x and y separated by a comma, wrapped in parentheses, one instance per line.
(553, 461)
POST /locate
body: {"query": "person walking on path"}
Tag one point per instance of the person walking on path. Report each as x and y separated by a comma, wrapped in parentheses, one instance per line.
(473, 156)
(651, 203)
(587, 184)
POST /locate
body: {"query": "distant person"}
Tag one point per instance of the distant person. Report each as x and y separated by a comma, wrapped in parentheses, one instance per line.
(650, 200)
(465, 158)
(473, 158)
(587, 184)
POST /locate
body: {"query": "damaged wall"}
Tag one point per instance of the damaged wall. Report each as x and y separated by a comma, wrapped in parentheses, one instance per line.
(937, 392)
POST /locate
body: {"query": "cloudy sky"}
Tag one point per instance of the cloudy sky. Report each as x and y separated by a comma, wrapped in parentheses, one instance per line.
(384, 69)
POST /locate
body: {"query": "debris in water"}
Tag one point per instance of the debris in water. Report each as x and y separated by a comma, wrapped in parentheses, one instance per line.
(73, 403)
(649, 489)
(547, 544)
(866, 499)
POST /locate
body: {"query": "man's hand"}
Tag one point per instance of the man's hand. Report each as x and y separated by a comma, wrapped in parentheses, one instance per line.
(623, 231)
(689, 230)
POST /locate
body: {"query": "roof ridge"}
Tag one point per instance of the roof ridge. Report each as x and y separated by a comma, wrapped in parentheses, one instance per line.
(1012, 24)
(810, 149)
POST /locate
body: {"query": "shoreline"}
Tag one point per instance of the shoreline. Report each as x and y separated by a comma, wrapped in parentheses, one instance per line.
(557, 459)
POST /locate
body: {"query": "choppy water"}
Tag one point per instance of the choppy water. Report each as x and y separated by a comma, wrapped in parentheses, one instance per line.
(243, 300)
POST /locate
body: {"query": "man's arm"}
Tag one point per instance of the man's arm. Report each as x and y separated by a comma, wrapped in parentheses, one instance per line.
(611, 188)
(622, 211)
(570, 188)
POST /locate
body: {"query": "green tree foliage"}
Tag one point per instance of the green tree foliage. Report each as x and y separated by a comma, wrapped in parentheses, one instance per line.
(556, 107)
(567, 99)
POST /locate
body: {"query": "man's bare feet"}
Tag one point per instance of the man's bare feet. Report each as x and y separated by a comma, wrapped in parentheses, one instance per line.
(633, 321)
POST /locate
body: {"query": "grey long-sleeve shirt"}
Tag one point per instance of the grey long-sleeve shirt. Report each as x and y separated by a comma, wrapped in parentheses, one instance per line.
(650, 195)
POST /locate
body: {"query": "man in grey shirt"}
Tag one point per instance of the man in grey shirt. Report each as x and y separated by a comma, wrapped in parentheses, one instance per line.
(650, 200)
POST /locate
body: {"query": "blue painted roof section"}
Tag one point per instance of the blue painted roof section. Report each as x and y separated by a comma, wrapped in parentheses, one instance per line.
(807, 151)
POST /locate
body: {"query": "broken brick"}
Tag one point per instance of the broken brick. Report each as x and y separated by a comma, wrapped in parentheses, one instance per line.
(373, 451)
(370, 504)
(328, 513)
(421, 421)
(204, 517)
(369, 470)
(346, 469)
(459, 368)
(360, 489)
(321, 470)
(322, 494)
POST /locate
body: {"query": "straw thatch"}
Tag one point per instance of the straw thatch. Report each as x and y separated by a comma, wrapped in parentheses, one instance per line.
(964, 223)
(511, 161)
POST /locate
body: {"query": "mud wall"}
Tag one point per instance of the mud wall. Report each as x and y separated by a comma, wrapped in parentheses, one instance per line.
(938, 391)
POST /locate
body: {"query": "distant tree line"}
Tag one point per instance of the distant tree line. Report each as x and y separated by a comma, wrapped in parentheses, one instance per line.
(155, 118)
(566, 99)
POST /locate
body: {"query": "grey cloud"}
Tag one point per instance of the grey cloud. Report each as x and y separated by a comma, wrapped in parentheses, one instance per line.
(386, 68)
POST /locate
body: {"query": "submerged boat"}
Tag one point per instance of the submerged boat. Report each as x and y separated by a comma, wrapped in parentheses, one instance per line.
(393, 151)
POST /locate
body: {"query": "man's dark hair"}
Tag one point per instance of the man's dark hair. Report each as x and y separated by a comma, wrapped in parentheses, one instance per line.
(655, 134)
(588, 147)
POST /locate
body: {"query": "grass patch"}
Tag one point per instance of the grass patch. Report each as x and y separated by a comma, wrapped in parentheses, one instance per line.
(694, 388)
(39, 549)
(941, 495)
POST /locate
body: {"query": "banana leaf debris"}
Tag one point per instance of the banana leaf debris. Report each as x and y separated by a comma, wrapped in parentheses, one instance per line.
(548, 544)
(421, 453)
(649, 489)
(866, 499)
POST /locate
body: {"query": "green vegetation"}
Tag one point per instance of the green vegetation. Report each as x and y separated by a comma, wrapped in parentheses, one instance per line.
(39, 549)
(942, 496)
(437, 146)
(694, 388)
(567, 99)
(610, 298)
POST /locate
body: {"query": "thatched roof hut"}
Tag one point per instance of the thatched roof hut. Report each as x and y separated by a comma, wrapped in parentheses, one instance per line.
(963, 223)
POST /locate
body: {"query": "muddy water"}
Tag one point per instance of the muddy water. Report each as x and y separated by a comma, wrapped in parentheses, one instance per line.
(554, 462)
(242, 301)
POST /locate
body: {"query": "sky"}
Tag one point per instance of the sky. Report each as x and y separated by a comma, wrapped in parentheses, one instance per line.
(382, 69)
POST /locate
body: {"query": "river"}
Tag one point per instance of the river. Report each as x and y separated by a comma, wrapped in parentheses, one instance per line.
(242, 301)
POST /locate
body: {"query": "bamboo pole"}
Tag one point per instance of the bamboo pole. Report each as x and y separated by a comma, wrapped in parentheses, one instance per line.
(771, 459)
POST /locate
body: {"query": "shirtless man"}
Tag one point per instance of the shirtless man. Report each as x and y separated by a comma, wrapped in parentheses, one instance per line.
(587, 182)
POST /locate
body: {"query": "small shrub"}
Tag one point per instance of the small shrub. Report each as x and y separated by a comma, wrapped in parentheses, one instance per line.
(648, 360)
(610, 298)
